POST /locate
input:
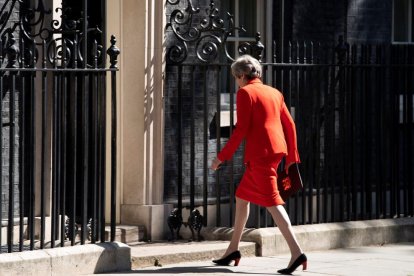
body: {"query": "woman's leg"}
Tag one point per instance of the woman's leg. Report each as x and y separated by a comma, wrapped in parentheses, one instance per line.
(241, 215)
(282, 221)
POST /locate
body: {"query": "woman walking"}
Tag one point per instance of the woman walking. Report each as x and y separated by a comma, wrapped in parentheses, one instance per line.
(264, 121)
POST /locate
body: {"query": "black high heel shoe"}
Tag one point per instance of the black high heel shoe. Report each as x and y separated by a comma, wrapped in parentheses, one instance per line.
(234, 256)
(301, 260)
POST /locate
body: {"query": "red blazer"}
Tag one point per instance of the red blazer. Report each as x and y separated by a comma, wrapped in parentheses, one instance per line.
(265, 122)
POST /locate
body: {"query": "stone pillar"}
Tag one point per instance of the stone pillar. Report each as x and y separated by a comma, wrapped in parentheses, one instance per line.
(139, 27)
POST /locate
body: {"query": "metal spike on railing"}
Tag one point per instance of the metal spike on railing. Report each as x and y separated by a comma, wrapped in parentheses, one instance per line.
(75, 51)
(311, 52)
(44, 59)
(34, 55)
(64, 53)
(22, 59)
(304, 52)
(1, 52)
(297, 52)
(95, 54)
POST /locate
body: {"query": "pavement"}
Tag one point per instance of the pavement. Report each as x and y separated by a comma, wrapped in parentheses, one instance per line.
(374, 247)
(377, 260)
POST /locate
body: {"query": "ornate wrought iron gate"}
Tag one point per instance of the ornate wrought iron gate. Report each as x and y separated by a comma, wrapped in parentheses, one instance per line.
(54, 103)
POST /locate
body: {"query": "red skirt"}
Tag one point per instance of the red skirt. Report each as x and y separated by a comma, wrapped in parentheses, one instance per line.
(259, 182)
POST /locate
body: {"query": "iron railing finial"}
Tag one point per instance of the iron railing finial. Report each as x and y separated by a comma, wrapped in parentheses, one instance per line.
(12, 52)
(257, 49)
(113, 52)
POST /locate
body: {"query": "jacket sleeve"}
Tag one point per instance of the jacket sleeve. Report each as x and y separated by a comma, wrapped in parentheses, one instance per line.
(289, 130)
(244, 108)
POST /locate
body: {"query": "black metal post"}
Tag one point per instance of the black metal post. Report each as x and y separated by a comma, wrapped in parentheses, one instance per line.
(113, 53)
(64, 114)
(43, 151)
(10, 228)
(54, 159)
(94, 135)
(22, 150)
(1, 147)
(74, 165)
(231, 89)
(192, 138)
(113, 155)
(103, 157)
(179, 143)
(218, 146)
(12, 54)
(205, 72)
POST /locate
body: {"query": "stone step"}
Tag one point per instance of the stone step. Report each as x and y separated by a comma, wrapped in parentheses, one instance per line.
(129, 234)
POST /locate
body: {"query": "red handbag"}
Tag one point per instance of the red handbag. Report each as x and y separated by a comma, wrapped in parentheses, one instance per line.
(289, 183)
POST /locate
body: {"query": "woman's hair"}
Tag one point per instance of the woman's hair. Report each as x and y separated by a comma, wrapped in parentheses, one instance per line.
(246, 66)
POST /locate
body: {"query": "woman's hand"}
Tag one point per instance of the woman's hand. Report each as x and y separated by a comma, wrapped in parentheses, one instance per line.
(215, 164)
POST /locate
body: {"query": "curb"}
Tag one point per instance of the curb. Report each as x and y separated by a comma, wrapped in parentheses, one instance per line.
(73, 260)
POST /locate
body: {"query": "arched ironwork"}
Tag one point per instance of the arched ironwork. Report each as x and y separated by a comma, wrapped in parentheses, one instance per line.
(205, 37)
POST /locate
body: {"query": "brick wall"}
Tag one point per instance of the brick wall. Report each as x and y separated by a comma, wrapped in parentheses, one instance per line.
(365, 21)
(6, 156)
(317, 20)
(369, 21)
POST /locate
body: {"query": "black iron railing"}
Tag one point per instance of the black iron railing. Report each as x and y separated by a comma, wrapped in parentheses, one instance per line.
(53, 79)
(355, 124)
(353, 107)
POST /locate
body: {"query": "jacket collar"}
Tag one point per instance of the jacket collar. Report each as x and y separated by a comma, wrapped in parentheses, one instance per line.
(255, 80)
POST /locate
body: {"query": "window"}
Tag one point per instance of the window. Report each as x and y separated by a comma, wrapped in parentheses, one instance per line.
(403, 25)
(249, 14)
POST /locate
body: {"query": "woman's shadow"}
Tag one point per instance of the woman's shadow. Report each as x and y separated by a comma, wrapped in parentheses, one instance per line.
(186, 269)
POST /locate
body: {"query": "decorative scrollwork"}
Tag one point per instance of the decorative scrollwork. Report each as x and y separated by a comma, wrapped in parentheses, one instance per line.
(33, 23)
(59, 51)
(178, 53)
(31, 28)
(207, 48)
(209, 36)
